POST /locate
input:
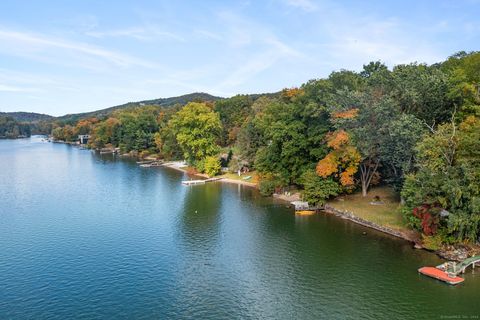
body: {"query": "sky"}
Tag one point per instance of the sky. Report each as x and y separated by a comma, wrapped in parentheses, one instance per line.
(68, 56)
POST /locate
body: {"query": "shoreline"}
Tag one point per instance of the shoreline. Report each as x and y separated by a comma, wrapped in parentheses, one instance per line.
(407, 235)
(387, 230)
(174, 165)
(451, 253)
(447, 252)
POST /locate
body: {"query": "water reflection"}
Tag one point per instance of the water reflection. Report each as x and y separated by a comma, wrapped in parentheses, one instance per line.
(90, 235)
(200, 217)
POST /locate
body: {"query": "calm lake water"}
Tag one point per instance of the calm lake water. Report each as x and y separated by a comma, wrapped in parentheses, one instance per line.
(89, 237)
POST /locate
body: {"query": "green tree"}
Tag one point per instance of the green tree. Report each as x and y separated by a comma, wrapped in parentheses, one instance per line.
(196, 128)
(397, 148)
(447, 180)
(233, 112)
(11, 128)
(293, 129)
(317, 190)
(211, 166)
(137, 128)
(422, 90)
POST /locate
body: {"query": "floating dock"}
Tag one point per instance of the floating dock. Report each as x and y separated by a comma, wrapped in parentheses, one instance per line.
(448, 272)
(440, 275)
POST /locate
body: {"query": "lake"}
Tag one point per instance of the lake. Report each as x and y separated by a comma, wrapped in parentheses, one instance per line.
(91, 236)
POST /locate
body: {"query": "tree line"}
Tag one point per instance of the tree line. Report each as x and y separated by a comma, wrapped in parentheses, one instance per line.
(414, 127)
(12, 129)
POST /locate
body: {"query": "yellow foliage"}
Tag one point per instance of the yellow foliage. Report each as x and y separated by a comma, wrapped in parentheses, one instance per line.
(349, 114)
(292, 92)
(469, 122)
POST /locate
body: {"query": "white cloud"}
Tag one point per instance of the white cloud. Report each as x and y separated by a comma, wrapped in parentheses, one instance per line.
(29, 43)
(138, 33)
(258, 48)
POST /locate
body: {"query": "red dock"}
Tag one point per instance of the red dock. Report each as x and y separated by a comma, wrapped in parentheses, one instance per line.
(440, 275)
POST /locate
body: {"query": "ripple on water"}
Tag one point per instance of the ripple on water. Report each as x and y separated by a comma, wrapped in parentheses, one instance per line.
(87, 236)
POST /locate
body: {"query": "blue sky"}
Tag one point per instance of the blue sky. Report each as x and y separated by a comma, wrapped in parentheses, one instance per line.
(69, 56)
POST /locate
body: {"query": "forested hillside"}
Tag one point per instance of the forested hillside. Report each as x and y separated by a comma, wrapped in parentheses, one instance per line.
(11, 128)
(161, 102)
(415, 128)
(27, 116)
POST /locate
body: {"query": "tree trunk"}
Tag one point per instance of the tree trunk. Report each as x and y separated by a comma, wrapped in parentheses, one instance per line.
(364, 189)
(367, 171)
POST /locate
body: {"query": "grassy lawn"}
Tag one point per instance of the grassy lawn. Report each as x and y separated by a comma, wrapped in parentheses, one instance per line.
(234, 176)
(386, 214)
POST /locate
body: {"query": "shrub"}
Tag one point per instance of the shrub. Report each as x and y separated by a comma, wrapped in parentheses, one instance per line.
(318, 190)
(432, 242)
(212, 166)
(267, 187)
(430, 219)
(144, 153)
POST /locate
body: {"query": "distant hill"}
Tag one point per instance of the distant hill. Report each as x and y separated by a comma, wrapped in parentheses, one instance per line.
(163, 102)
(27, 116)
(102, 113)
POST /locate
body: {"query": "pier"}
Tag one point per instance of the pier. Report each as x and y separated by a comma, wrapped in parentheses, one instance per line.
(195, 182)
(448, 272)
(302, 208)
(149, 164)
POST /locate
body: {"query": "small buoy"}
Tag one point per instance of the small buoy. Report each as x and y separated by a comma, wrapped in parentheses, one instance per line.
(364, 233)
(195, 211)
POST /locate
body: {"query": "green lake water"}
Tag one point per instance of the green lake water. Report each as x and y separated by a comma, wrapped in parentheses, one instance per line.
(86, 236)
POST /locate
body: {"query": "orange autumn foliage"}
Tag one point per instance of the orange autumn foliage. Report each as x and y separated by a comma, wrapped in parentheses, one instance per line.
(87, 122)
(346, 177)
(349, 114)
(327, 166)
(336, 139)
(342, 161)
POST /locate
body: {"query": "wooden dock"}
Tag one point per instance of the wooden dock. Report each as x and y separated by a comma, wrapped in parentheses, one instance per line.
(195, 182)
(448, 272)
(152, 164)
(192, 182)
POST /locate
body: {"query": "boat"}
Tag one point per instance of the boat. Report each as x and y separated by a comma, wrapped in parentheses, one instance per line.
(304, 212)
(441, 275)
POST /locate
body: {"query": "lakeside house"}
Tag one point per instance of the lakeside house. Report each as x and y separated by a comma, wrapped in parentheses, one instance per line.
(83, 138)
